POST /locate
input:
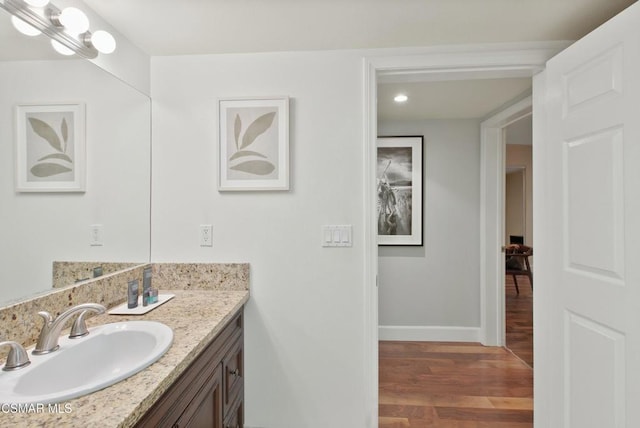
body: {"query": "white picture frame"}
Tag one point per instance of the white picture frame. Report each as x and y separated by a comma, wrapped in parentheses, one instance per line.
(50, 153)
(253, 144)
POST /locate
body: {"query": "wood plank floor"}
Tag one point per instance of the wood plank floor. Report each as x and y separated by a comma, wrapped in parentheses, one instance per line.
(519, 318)
(462, 385)
(453, 385)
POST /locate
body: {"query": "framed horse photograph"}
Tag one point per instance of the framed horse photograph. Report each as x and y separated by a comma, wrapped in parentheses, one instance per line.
(399, 183)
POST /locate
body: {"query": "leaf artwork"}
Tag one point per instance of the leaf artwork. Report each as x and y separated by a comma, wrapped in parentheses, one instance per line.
(64, 130)
(237, 127)
(61, 156)
(243, 153)
(44, 130)
(257, 167)
(258, 127)
(48, 169)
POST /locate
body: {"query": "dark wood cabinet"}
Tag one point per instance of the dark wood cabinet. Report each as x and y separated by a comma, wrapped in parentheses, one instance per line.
(235, 416)
(210, 392)
(233, 370)
(206, 407)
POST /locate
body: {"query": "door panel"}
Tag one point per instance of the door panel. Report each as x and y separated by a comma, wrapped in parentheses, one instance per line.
(589, 376)
(594, 196)
(596, 78)
(607, 357)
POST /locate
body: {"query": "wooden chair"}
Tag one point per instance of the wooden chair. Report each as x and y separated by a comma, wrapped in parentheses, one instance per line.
(517, 263)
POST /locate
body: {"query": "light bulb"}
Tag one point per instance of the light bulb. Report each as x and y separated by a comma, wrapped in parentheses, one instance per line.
(103, 41)
(400, 98)
(24, 28)
(74, 20)
(37, 3)
(61, 49)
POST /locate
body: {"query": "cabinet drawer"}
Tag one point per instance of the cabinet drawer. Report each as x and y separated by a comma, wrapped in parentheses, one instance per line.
(233, 373)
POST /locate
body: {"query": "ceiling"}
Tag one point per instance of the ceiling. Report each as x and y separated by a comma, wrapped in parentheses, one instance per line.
(164, 27)
(169, 27)
(463, 99)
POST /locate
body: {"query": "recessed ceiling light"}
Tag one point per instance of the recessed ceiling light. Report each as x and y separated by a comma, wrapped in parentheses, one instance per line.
(400, 98)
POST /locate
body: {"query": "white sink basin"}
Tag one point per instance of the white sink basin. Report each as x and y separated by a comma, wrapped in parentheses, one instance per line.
(107, 355)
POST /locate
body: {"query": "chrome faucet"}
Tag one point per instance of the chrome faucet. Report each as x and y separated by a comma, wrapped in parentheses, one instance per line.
(48, 340)
(17, 357)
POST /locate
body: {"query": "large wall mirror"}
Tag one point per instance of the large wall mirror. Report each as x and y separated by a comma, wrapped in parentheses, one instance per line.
(38, 228)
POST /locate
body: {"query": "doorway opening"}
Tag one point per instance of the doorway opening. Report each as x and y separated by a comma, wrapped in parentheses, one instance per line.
(518, 234)
(464, 63)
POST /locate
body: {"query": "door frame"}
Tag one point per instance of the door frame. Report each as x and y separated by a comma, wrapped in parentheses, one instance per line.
(437, 63)
(492, 220)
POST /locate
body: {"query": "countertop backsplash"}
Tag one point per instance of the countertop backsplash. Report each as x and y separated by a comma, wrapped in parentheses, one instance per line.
(21, 323)
(65, 273)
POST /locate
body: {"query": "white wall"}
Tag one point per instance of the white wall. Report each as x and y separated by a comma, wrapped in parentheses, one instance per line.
(38, 228)
(514, 204)
(305, 320)
(518, 155)
(433, 292)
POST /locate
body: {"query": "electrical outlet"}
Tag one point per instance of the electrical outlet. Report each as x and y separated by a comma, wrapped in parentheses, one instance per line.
(95, 235)
(206, 235)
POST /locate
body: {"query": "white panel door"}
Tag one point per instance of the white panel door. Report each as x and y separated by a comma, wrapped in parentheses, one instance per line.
(587, 147)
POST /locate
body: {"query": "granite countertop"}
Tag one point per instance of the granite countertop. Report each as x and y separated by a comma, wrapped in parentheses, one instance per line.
(195, 316)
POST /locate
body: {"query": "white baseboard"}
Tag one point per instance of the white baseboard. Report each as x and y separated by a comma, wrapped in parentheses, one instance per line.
(429, 334)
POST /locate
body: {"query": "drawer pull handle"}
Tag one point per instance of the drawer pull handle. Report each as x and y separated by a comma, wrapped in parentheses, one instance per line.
(235, 372)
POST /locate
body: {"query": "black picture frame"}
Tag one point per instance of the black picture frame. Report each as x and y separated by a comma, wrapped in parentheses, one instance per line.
(400, 205)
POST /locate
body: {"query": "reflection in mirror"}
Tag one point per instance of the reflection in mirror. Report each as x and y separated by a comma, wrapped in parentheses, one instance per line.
(39, 228)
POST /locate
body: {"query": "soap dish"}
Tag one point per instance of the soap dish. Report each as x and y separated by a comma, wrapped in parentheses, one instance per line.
(139, 310)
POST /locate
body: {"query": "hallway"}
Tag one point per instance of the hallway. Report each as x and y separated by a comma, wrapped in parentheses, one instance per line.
(447, 385)
(462, 385)
(519, 319)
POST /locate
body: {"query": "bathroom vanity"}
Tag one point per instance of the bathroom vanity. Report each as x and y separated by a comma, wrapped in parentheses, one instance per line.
(210, 391)
(198, 382)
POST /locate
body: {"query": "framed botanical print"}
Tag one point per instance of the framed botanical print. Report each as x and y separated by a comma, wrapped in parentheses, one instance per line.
(253, 141)
(50, 147)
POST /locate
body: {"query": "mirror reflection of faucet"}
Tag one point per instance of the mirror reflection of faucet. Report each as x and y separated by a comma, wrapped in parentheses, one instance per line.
(48, 340)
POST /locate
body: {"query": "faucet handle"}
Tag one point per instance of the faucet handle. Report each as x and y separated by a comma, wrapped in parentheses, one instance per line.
(17, 357)
(79, 327)
(46, 316)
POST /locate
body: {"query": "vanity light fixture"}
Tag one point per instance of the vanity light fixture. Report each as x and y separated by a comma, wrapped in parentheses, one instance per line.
(400, 98)
(68, 28)
(102, 40)
(37, 3)
(72, 19)
(23, 27)
(60, 48)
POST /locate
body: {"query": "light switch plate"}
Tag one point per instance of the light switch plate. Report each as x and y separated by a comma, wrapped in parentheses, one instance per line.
(337, 235)
(95, 235)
